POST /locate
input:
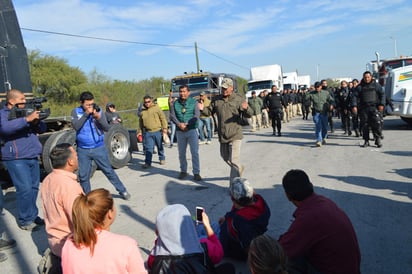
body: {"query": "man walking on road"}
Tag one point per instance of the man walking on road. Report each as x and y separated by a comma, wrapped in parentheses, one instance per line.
(322, 103)
(274, 103)
(185, 114)
(229, 107)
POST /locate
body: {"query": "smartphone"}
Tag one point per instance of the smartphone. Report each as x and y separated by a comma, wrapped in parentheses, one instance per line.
(199, 211)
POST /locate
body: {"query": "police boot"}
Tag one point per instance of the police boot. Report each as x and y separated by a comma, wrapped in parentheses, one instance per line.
(356, 133)
(366, 144)
(378, 142)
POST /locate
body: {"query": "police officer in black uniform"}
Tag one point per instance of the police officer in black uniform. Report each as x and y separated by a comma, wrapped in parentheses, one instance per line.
(273, 103)
(344, 105)
(369, 102)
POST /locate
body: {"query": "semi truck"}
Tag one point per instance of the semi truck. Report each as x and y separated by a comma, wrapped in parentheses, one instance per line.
(304, 81)
(208, 82)
(263, 77)
(290, 80)
(15, 74)
(395, 76)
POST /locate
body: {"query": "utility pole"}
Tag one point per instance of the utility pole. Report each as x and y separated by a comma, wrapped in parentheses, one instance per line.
(197, 59)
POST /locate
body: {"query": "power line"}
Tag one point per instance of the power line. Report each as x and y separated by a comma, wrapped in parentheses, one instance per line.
(131, 42)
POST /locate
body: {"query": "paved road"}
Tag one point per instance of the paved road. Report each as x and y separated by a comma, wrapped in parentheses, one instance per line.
(372, 185)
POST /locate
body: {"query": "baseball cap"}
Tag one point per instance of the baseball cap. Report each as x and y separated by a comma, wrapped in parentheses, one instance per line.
(317, 84)
(241, 188)
(227, 82)
(202, 93)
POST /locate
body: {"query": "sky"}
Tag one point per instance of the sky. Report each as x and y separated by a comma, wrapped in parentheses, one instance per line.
(322, 38)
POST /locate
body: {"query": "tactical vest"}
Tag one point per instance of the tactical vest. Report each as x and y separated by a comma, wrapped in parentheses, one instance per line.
(368, 95)
(275, 100)
(185, 111)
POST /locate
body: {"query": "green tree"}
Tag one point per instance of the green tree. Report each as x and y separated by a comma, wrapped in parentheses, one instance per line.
(54, 78)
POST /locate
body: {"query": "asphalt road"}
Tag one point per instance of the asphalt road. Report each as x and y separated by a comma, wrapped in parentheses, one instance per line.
(372, 185)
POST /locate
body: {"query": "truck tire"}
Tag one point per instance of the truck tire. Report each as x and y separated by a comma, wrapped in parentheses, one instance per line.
(64, 136)
(117, 142)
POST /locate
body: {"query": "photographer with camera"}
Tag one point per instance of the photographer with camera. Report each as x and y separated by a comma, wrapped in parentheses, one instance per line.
(20, 150)
(90, 123)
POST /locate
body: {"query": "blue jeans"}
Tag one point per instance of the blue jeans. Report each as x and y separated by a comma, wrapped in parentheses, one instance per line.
(101, 158)
(25, 174)
(190, 138)
(321, 126)
(151, 139)
(205, 122)
(172, 131)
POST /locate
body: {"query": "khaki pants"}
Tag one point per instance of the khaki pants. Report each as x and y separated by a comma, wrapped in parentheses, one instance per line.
(230, 152)
(256, 119)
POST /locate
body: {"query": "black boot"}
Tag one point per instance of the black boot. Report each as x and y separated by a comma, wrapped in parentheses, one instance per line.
(378, 142)
(366, 144)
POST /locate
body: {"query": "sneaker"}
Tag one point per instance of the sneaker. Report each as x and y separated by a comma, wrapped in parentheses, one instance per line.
(182, 175)
(29, 227)
(202, 142)
(197, 177)
(279, 134)
(208, 142)
(146, 166)
(4, 244)
(39, 221)
(323, 142)
(3, 257)
(318, 144)
(162, 162)
(125, 195)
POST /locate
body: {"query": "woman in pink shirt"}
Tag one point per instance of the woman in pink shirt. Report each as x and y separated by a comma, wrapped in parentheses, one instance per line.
(93, 248)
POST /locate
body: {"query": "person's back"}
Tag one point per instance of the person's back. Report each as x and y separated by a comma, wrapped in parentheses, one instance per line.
(247, 219)
(321, 234)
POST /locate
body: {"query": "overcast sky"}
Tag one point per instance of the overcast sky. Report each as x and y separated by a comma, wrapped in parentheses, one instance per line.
(325, 39)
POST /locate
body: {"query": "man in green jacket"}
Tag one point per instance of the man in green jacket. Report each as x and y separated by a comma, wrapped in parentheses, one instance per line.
(256, 104)
(322, 103)
(229, 108)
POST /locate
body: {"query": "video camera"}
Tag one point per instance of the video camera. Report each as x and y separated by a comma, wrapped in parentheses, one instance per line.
(31, 105)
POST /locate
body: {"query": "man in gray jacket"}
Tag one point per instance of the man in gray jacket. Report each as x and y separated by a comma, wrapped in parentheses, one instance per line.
(229, 108)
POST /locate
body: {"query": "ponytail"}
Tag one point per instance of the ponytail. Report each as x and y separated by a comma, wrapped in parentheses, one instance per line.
(89, 212)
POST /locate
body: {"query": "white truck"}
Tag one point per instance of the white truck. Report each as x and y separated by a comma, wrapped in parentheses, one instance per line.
(395, 76)
(263, 77)
(304, 81)
(290, 80)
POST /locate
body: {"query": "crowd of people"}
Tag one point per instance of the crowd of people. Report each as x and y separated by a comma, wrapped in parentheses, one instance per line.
(77, 219)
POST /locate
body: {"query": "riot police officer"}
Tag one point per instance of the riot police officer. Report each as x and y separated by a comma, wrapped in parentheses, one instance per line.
(273, 103)
(369, 102)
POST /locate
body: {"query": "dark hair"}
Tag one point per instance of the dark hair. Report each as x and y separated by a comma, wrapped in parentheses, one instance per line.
(60, 154)
(367, 72)
(184, 86)
(266, 256)
(86, 95)
(147, 97)
(297, 185)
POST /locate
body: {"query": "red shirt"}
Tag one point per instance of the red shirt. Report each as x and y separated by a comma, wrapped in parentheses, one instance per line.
(323, 234)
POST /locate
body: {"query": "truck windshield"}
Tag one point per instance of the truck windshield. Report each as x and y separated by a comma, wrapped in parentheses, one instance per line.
(194, 83)
(393, 64)
(259, 85)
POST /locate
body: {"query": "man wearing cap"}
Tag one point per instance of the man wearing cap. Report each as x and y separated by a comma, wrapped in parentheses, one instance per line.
(248, 218)
(322, 103)
(256, 105)
(229, 108)
(321, 238)
(205, 120)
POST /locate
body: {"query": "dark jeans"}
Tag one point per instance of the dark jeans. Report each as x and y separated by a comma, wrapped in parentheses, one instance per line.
(100, 156)
(150, 140)
(25, 174)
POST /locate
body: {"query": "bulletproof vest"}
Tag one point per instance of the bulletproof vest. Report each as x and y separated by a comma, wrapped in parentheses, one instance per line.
(275, 101)
(368, 94)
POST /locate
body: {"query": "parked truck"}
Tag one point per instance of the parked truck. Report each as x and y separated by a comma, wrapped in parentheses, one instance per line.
(304, 81)
(208, 82)
(263, 77)
(290, 80)
(395, 76)
(15, 74)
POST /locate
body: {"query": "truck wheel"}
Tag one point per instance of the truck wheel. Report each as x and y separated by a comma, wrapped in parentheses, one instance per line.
(117, 142)
(65, 136)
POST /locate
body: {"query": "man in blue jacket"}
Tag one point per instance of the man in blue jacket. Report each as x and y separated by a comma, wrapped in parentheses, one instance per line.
(20, 149)
(90, 123)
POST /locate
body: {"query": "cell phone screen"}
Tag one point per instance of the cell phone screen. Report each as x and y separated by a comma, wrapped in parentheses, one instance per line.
(199, 211)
